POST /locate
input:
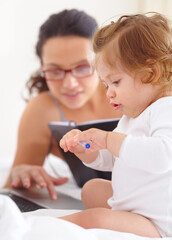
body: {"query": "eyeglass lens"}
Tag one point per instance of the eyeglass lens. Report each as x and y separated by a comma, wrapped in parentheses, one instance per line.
(59, 74)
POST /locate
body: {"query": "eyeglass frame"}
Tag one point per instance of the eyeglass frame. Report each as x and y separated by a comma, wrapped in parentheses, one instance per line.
(42, 72)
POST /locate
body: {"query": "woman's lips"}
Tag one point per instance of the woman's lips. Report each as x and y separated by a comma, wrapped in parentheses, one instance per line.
(72, 94)
(116, 106)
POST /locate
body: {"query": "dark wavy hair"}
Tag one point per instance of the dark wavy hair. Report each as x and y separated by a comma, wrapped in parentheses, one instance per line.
(64, 23)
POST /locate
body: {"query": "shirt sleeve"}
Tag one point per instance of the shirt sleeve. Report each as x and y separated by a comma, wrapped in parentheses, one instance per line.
(151, 153)
(104, 161)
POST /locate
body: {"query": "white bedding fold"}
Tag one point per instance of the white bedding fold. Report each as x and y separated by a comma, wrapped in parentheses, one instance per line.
(43, 224)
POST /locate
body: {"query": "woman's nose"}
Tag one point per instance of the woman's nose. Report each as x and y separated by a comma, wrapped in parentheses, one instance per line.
(70, 81)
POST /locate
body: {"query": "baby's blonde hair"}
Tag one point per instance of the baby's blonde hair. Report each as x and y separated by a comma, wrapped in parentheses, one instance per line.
(144, 41)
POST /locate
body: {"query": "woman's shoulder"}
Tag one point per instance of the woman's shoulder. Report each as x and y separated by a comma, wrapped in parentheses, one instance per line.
(41, 97)
(42, 105)
(42, 101)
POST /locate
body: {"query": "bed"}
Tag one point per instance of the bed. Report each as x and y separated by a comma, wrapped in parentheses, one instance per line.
(43, 224)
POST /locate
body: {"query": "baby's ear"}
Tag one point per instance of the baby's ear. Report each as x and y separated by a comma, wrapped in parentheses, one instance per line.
(154, 71)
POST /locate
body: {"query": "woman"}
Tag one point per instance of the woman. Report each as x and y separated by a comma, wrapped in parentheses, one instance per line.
(68, 89)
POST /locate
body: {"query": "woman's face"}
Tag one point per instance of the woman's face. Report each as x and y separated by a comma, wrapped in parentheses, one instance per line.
(65, 53)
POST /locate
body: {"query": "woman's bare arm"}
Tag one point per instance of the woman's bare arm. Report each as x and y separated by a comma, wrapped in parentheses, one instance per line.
(32, 148)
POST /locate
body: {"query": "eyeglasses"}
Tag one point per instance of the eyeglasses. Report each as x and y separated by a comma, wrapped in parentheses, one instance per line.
(58, 74)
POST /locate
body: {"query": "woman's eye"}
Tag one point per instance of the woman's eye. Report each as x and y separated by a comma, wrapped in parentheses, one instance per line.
(57, 72)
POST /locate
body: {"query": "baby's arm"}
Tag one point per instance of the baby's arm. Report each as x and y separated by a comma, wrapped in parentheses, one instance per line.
(114, 142)
(98, 139)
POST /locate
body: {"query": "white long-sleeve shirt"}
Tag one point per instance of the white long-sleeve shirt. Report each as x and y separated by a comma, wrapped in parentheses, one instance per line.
(142, 174)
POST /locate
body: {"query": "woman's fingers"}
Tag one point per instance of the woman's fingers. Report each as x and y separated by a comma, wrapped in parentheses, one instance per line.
(25, 180)
(51, 190)
(59, 181)
(22, 180)
(38, 178)
(15, 181)
(51, 182)
(25, 176)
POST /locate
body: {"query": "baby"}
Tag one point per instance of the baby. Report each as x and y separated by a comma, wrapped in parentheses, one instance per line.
(134, 61)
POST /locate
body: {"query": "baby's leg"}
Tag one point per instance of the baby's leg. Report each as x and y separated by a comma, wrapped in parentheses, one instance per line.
(96, 192)
(114, 220)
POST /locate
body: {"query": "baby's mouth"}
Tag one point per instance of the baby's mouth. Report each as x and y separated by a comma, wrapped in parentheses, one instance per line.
(116, 106)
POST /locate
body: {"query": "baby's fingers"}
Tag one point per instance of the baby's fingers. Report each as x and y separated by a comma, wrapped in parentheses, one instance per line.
(66, 141)
(63, 145)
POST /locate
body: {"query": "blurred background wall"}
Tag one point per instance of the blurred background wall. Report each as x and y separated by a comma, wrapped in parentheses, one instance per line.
(19, 24)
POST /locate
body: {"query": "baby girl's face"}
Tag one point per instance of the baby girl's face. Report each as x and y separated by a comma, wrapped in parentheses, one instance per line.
(125, 91)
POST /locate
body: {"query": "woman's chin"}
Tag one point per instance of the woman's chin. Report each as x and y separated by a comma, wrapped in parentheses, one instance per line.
(74, 105)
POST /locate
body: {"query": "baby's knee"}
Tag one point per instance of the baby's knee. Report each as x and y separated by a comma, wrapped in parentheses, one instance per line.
(88, 191)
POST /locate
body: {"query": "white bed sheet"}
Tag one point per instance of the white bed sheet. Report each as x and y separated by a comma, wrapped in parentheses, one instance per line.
(43, 224)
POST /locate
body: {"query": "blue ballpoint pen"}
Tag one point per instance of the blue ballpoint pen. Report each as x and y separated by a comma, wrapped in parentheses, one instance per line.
(84, 144)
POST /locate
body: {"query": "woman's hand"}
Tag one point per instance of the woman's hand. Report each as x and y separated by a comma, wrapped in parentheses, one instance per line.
(25, 176)
(95, 137)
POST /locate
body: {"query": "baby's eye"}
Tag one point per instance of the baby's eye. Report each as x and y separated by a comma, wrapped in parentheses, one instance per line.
(116, 82)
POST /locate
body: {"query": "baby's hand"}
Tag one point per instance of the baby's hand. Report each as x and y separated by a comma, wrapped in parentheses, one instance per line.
(67, 143)
(94, 137)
